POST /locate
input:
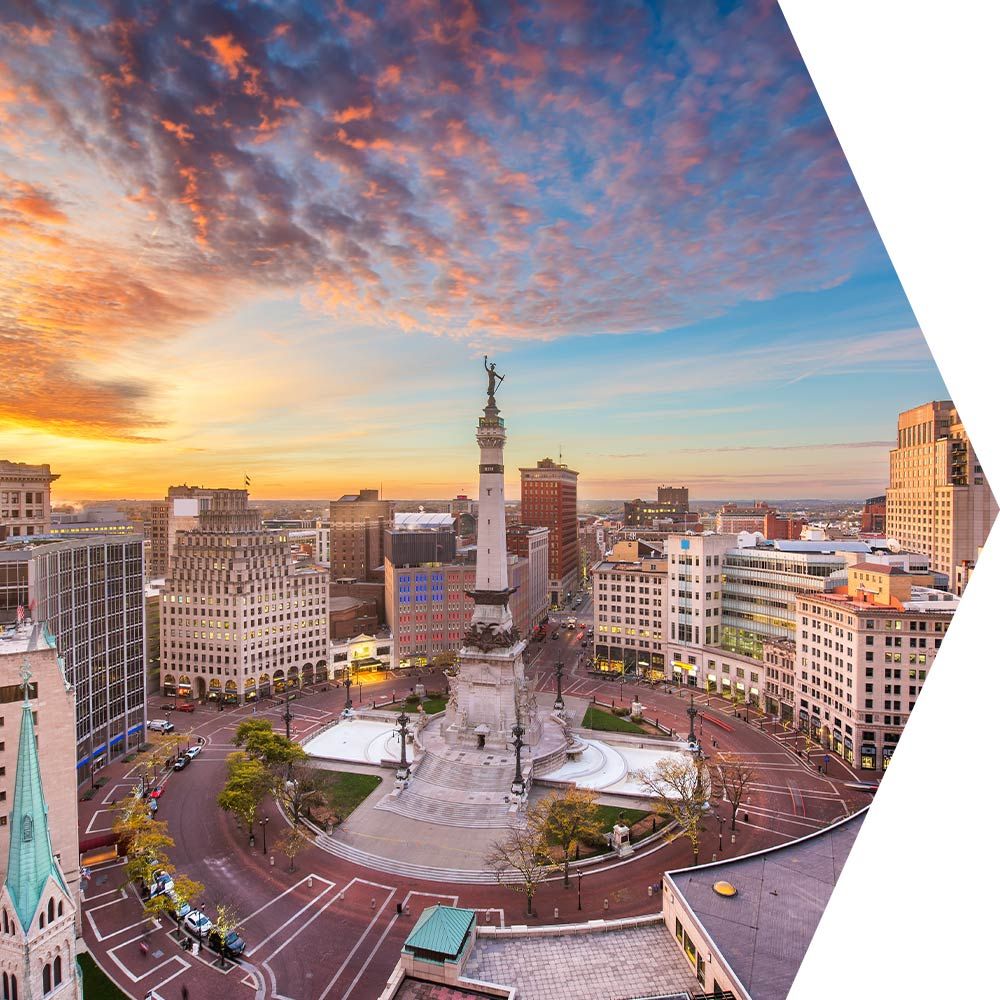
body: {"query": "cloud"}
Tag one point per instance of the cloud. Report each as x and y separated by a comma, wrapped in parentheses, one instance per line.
(881, 445)
(462, 169)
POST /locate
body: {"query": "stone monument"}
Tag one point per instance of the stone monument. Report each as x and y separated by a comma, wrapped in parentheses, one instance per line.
(489, 695)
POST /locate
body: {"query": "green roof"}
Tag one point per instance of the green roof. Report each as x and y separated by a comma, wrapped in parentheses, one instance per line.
(441, 930)
(29, 860)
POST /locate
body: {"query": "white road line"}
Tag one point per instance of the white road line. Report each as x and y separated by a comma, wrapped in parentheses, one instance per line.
(294, 916)
(168, 960)
(371, 923)
(100, 829)
(301, 881)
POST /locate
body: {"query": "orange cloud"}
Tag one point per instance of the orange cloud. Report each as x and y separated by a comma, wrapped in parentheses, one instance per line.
(183, 134)
(228, 53)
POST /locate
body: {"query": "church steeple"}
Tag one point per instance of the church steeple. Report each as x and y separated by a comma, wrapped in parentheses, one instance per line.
(30, 862)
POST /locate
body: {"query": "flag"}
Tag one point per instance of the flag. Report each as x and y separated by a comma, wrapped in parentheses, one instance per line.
(246, 481)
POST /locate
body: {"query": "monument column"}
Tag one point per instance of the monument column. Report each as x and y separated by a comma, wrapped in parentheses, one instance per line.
(488, 697)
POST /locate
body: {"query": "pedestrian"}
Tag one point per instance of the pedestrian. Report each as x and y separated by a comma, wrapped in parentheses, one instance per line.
(184, 993)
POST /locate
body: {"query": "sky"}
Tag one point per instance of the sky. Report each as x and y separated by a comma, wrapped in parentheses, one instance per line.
(276, 240)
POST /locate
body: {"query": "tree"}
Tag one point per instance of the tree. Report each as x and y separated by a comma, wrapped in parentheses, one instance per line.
(226, 921)
(248, 727)
(144, 839)
(247, 783)
(567, 819)
(292, 842)
(299, 790)
(735, 776)
(185, 890)
(259, 740)
(520, 858)
(680, 794)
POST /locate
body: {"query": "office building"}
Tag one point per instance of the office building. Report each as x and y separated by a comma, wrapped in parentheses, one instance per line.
(531, 545)
(671, 504)
(239, 619)
(357, 526)
(25, 499)
(732, 518)
(52, 702)
(938, 501)
(89, 593)
(873, 516)
(548, 500)
(863, 654)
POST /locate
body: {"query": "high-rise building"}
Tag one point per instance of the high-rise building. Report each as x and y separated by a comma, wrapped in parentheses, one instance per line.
(863, 655)
(40, 909)
(531, 545)
(357, 526)
(415, 538)
(89, 593)
(938, 500)
(548, 500)
(239, 619)
(51, 698)
(25, 499)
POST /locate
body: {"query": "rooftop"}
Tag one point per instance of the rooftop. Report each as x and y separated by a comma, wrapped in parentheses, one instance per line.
(763, 931)
(25, 638)
(422, 519)
(442, 930)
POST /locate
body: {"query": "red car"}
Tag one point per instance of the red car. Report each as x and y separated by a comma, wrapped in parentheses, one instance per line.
(185, 706)
(156, 793)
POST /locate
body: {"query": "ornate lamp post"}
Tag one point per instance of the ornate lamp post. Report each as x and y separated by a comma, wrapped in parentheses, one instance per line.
(692, 715)
(517, 785)
(559, 703)
(404, 768)
(288, 716)
(347, 684)
(263, 831)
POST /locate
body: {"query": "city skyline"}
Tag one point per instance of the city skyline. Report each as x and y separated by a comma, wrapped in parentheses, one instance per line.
(221, 261)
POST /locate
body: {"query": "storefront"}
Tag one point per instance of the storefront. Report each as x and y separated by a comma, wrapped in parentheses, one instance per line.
(849, 750)
(184, 687)
(231, 696)
(685, 673)
(887, 752)
(869, 754)
(838, 742)
(170, 686)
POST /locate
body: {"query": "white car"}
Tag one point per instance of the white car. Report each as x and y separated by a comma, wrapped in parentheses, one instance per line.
(160, 726)
(197, 923)
(193, 752)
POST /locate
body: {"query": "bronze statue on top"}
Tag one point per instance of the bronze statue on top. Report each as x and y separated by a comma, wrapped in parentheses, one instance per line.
(494, 377)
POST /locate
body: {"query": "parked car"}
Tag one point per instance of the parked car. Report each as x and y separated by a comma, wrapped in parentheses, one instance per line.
(181, 762)
(555, 635)
(156, 792)
(185, 706)
(232, 947)
(167, 706)
(162, 882)
(198, 924)
(160, 726)
(178, 910)
(193, 752)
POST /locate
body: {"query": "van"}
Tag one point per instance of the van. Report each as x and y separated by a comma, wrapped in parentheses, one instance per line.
(160, 726)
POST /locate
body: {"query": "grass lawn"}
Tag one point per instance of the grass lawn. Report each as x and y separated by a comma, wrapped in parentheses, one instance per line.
(96, 985)
(344, 792)
(431, 706)
(607, 722)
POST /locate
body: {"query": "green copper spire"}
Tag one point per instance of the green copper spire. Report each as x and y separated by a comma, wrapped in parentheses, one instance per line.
(30, 861)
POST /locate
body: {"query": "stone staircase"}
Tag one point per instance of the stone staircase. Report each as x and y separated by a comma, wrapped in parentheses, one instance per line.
(462, 788)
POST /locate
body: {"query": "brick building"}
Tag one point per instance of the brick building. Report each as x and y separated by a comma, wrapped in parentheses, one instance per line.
(548, 500)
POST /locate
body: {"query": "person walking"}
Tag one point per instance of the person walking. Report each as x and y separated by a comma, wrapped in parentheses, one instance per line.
(184, 993)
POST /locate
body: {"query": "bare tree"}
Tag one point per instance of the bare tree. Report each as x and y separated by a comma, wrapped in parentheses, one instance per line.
(735, 776)
(292, 842)
(520, 858)
(681, 794)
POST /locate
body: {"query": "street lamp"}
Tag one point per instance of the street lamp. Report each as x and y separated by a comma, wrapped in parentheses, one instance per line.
(288, 715)
(517, 785)
(263, 831)
(559, 703)
(722, 823)
(579, 889)
(404, 768)
(347, 684)
(692, 715)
